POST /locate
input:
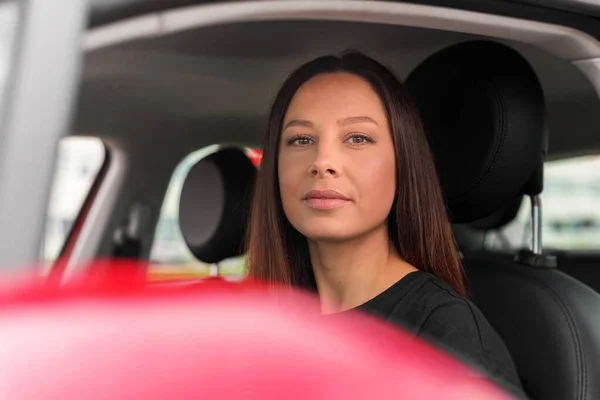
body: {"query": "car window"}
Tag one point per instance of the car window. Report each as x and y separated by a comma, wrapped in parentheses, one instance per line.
(570, 209)
(170, 257)
(78, 163)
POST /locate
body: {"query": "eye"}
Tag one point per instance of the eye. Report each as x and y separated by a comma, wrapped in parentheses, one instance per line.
(357, 139)
(300, 141)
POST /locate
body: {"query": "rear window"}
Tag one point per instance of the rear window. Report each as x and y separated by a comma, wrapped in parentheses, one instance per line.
(570, 209)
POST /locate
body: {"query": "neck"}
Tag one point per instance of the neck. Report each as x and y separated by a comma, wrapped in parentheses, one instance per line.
(351, 272)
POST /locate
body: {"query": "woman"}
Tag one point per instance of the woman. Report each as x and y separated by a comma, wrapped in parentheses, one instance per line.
(347, 203)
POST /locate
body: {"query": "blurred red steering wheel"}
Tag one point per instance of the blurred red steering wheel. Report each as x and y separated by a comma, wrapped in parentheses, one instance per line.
(109, 340)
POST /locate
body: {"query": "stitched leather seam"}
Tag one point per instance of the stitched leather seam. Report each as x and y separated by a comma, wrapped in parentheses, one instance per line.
(578, 351)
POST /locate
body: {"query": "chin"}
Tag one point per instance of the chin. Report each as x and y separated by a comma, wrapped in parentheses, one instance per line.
(326, 233)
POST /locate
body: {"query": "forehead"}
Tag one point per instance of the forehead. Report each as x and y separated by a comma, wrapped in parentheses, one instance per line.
(335, 95)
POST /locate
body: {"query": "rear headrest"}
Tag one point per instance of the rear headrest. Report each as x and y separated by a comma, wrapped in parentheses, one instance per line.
(500, 217)
(483, 110)
(471, 237)
(214, 205)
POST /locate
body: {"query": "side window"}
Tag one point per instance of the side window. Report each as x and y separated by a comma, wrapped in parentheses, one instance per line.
(570, 209)
(78, 164)
(170, 257)
(571, 204)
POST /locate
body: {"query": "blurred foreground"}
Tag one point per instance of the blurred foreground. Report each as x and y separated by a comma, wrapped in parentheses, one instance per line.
(111, 335)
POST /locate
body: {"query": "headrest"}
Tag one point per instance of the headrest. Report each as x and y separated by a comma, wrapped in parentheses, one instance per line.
(214, 205)
(483, 110)
(500, 217)
(471, 237)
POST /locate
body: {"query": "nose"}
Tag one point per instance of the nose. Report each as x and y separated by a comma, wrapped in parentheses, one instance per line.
(325, 163)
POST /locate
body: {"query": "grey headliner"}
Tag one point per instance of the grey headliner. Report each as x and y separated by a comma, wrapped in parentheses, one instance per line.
(215, 84)
(107, 11)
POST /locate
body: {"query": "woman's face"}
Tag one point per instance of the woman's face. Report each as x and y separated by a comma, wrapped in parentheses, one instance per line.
(337, 169)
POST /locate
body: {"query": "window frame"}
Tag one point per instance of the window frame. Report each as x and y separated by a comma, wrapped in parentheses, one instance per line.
(58, 266)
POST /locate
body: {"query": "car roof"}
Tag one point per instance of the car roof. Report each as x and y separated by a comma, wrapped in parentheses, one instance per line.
(581, 6)
(108, 11)
(214, 83)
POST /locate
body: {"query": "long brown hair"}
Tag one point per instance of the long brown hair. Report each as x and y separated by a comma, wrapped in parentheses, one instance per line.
(418, 223)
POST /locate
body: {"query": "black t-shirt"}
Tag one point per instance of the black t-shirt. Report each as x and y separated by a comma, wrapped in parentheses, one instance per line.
(428, 307)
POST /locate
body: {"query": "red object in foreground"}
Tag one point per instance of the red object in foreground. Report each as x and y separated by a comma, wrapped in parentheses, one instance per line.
(255, 156)
(214, 340)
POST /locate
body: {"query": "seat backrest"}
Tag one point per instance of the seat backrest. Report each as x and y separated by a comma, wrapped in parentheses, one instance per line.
(471, 239)
(547, 320)
(483, 109)
(583, 266)
(214, 205)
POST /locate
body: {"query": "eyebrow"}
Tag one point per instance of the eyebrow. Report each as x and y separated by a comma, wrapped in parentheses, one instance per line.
(298, 122)
(357, 120)
(346, 121)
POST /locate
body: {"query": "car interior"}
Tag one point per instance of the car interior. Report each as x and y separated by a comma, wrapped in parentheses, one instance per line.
(214, 205)
(503, 87)
(503, 128)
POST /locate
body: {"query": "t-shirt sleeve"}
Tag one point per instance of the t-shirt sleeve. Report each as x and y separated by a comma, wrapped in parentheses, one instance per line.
(461, 330)
(452, 327)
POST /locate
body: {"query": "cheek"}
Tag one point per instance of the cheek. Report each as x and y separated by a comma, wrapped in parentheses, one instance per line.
(377, 183)
(289, 175)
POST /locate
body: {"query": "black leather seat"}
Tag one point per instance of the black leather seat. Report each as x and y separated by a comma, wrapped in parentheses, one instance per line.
(581, 265)
(483, 108)
(213, 209)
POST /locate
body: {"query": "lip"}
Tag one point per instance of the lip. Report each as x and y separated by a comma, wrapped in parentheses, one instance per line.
(325, 199)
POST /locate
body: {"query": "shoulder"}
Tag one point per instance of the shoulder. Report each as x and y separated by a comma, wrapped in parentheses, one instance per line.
(453, 323)
(443, 315)
(428, 301)
(448, 308)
